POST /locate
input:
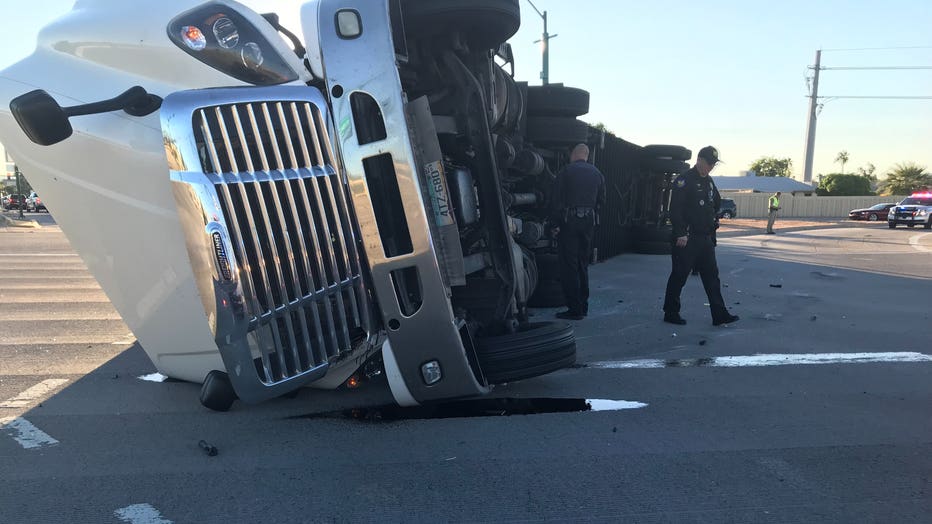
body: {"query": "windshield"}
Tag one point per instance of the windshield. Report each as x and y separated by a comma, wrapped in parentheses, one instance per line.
(916, 201)
(878, 207)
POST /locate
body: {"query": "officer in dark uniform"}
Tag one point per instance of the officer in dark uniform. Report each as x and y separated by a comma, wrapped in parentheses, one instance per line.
(694, 205)
(578, 194)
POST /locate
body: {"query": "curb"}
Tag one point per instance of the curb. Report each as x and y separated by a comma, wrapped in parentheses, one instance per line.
(12, 222)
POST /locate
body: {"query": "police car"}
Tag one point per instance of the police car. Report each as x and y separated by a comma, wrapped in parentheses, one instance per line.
(912, 210)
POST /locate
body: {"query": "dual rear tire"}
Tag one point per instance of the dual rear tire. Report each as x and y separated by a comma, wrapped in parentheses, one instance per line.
(537, 348)
(484, 23)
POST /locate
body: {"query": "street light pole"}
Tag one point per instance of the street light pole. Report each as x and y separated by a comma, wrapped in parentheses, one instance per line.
(545, 73)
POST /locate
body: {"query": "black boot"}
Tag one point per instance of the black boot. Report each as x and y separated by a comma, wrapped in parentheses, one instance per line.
(725, 319)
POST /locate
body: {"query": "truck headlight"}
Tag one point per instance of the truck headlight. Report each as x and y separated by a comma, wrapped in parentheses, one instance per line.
(225, 40)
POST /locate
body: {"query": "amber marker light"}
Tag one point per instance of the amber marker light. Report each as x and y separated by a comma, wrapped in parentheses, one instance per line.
(193, 38)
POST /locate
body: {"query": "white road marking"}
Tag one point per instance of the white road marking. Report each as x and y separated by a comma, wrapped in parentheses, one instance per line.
(154, 377)
(28, 436)
(128, 340)
(90, 339)
(141, 514)
(34, 393)
(38, 255)
(914, 243)
(613, 405)
(768, 360)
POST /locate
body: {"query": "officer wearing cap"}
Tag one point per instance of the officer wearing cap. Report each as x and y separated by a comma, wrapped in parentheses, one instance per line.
(694, 204)
(578, 193)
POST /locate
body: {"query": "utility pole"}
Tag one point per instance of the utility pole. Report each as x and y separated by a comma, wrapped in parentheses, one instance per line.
(545, 73)
(813, 115)
(19, 191)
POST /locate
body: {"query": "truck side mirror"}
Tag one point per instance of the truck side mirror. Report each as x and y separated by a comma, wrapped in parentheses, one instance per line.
(41, 118)
(45, 122)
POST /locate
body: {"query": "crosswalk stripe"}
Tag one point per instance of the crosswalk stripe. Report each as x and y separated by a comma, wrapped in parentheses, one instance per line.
(141, 514)
(766, 360)
(41, 255)
(79, 339)
(25, 433)
(34, 393)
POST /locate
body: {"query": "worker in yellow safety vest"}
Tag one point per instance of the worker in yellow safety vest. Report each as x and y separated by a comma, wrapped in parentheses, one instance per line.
(773, 205)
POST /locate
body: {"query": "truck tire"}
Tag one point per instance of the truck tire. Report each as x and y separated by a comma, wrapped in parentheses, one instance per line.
(665, 165)
(485, 23)
(549, 290)
(548, 266)
(556, 131)
(667, 151)
(548, 293)
(653, 247)
(535, 349)
(557, 100)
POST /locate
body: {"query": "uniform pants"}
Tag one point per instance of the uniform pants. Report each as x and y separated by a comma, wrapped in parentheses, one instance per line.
(575, 242)
(699, 253)
(771, 218)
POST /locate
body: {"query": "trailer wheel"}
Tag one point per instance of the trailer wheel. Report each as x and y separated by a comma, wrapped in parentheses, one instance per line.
(654, 234)
(668, 152)
(535, 349)
(652, 247)
(557, 100)
(556, 131)
(665, 165)
(485, 23)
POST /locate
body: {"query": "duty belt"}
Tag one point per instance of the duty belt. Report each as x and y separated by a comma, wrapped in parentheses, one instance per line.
(580, 211)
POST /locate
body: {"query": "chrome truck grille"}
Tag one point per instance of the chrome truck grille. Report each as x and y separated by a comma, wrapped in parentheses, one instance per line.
(269, 206)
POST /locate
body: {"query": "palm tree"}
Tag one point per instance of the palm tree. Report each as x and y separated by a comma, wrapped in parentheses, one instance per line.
(905, 179)
(842, 159)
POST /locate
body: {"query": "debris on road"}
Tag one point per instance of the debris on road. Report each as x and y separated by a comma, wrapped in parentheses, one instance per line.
(210, 450)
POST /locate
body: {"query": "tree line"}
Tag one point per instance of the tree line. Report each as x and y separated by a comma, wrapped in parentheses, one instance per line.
(903, 179)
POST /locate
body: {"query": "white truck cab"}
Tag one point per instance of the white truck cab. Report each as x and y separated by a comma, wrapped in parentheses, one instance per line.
(266, 216)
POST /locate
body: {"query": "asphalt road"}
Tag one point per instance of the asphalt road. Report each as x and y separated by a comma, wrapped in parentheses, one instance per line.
(714, 438)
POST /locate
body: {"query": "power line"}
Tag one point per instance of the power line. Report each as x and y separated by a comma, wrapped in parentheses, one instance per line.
(873, 68)
(879, 48)
(921, 97)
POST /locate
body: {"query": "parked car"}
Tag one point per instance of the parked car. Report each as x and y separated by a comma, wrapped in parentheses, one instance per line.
(873, 213)
(728, 209)
(35, 204)
(14, 202)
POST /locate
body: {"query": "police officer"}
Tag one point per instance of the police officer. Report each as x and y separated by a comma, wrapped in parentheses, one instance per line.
(578, 194)
(773, 205)
(694, 205)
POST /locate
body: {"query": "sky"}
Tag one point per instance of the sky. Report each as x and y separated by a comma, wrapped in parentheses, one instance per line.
(727, 73)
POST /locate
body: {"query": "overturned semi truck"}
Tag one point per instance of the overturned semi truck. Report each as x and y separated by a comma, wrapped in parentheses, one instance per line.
(268, 212)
